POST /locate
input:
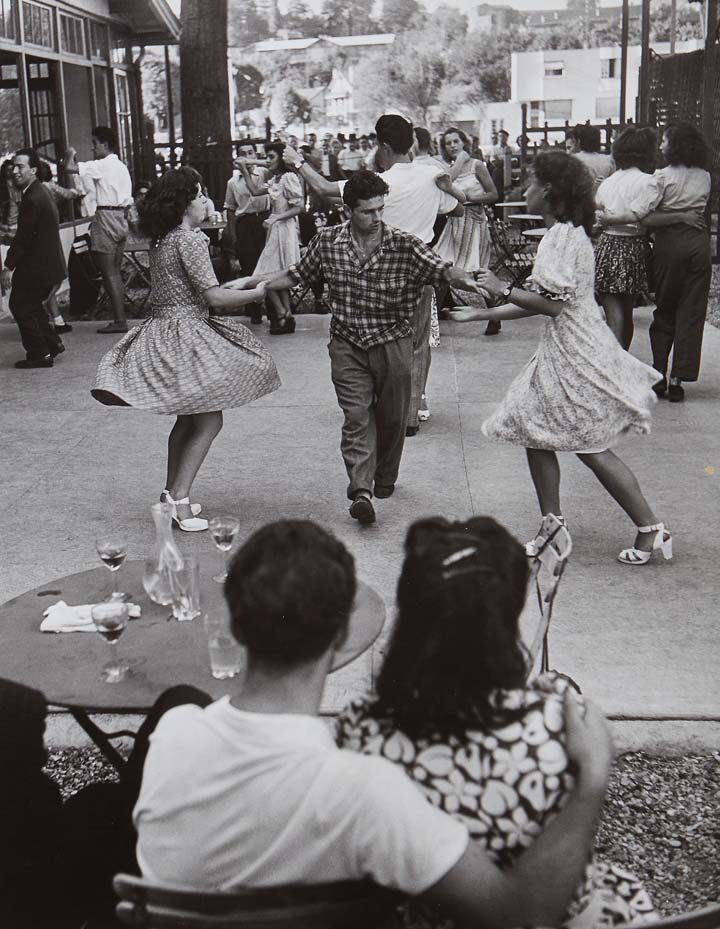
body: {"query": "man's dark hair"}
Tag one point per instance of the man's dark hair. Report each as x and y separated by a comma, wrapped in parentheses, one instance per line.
(363, 185)
(107, 136)
(424, 139)
(396, 132)
(588, 137)
(290, 590)
(32, 156)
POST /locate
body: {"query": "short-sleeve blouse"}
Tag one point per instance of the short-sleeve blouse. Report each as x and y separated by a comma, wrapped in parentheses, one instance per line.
(683, 188)
(181, 270)
(629, 190)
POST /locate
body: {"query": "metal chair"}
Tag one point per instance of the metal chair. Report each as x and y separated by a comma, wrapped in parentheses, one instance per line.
(513, 257)
(342, 905)
(555, 547)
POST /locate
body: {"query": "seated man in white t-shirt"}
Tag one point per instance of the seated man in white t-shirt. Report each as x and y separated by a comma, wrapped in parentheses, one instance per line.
(252, 791)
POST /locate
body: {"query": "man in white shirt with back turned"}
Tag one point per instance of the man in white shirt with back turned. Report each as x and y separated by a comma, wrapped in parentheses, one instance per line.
(251, 791)
(109, 228)
(418, 193)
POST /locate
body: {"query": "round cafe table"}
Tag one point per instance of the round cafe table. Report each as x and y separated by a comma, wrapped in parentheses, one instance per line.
(534, 233)
(66, 666)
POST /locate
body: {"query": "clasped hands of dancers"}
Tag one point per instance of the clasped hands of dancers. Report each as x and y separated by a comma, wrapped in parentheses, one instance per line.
(579, 393)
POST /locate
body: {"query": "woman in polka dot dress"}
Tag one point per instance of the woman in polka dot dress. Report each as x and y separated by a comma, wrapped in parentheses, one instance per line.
(183, 361)
(454, 709)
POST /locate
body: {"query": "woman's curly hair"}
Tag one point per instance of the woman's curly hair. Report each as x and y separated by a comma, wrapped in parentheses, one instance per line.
(456, 640)
(635, 148)
(458, 132)
(686, 146)
(571, 190)
(164, 206)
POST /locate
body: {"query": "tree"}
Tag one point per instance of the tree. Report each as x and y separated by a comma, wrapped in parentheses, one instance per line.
(205, 95)
(403, 15)
(245, 24)
(301, 21)
(349, 17)
(154, 86)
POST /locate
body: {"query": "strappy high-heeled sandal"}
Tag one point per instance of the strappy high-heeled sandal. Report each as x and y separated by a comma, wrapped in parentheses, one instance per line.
(195, 507)
(194, 524)
(534, 546)
(661, 543)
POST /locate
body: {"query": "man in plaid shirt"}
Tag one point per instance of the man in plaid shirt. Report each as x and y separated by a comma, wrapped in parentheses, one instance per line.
(375, 275)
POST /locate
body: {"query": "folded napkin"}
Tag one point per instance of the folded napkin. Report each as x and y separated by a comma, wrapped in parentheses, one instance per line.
(63, 618)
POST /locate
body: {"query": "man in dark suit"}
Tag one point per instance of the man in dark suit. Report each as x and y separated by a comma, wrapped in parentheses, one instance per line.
(37, 258)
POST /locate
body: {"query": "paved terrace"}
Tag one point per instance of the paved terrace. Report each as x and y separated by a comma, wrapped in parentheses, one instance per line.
(641, 641)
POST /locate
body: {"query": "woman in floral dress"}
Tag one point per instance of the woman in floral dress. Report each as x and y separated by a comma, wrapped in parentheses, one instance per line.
(581, 391)
(454, 710)
(182, 361)
(282, 247)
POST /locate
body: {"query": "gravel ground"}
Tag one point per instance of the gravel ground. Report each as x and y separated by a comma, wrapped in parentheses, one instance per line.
(661, 820)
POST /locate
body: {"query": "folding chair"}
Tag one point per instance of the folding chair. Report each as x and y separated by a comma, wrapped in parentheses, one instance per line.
(342, 905)
(555, 546)
(513, 258)
(136, 274)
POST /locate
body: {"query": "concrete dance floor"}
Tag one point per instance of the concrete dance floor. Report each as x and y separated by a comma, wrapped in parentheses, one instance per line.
(643, 642)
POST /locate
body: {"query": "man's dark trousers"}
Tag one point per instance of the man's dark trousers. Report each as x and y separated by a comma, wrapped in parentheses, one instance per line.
(373, 390)
(250, 235)
(38, 337)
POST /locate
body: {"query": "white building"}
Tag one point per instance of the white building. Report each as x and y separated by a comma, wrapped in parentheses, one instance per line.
(573, 85)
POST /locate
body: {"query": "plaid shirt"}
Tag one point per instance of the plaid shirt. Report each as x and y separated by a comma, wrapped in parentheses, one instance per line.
(371, 303)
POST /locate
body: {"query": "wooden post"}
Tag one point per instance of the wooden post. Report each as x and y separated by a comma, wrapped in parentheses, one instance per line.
(624, 58)
(170, 108)
(644, 106)
(711, 58)
(523, 145)
(673, 25)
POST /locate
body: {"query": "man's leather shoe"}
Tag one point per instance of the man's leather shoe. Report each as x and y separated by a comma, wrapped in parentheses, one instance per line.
(382, 491)
(58, 351)
(45, 362)
(412, 430)
(493, 327)
(676, 393)
(64, 327)
(362, 510)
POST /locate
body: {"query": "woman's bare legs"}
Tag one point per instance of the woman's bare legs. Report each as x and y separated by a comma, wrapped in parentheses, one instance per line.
(619, 315)
(623, 487)
(188, 445)
(280, 300)
(545, 474)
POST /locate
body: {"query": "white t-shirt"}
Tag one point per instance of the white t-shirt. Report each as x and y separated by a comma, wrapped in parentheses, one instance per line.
(628, 191)
(233, 799)
(414, 200)
(113, 186)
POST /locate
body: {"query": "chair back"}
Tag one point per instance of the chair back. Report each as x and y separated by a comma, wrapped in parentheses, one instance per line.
(513, 260)
(341, 905)
(555, 545)
(707, 918)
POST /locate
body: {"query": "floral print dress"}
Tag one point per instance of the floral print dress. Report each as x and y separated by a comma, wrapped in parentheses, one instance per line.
(505, 784)
(581, 390)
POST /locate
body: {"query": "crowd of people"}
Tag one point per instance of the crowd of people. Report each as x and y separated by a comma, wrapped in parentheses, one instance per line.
(414, 238)
(456, 782)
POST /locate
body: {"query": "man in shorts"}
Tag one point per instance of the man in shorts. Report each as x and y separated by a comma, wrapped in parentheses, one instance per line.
(109, 227)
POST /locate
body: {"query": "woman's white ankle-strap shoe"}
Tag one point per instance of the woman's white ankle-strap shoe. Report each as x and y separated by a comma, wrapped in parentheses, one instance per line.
(187, 525)
(532, 548)
(661, 543)
(195, 507)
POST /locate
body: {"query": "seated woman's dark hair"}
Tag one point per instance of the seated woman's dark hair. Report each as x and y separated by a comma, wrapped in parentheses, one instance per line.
(687, 146)
(106, 135)
(164, 206)
(456, 639)
(571, 194)
(363, 185)
(290, 590)
(44, 172)
(635, 148)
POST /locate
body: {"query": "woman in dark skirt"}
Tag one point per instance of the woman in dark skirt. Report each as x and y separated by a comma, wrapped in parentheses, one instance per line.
(682, 259)
(624, 199)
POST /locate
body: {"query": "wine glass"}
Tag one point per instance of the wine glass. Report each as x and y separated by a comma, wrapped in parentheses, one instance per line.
(157, 585)
(223, 530)
(110, 620)
(112, 551)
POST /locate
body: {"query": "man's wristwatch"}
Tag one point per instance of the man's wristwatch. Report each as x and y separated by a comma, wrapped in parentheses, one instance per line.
(506, 293)
(299, 163)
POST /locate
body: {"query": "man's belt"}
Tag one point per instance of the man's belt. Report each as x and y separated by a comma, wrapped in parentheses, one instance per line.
(123, 208)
